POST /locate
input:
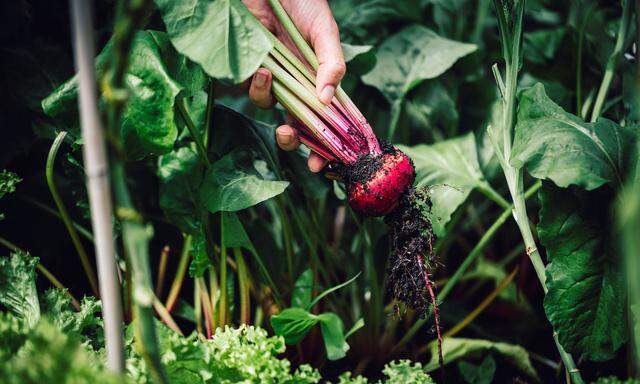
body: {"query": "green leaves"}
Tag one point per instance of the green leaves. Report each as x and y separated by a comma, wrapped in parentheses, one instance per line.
(18, 286)
(232, 183)
(154, 78)
(559, 146)
(50, 356)
(222, 36)
(412, 55)
(8, 181)
(450, 169)
(586, 298)
(245, 354)
(295, 323)
(180, 173)
(478, 374)
(454, 348)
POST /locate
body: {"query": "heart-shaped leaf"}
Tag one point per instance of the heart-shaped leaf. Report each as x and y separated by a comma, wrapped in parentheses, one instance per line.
(232, 184)
(410, 56)
(556, 145)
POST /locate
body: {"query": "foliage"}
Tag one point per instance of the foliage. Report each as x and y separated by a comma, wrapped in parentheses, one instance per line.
(18, 287)
(260, 236)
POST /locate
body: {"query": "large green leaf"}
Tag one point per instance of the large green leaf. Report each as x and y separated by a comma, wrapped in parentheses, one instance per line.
(232, 183)
(18, 286)
(410, 56)
(556, 145)
(586, 299)
(450, 170)
(154, 78)
(454, 348)
(222, 36)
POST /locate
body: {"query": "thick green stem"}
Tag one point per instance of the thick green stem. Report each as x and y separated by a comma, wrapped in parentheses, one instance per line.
(511, 44)
(612, 63)
(64, 215)
(293, 32)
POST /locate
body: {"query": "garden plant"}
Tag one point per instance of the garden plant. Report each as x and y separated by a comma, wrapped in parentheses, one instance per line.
(476, 219)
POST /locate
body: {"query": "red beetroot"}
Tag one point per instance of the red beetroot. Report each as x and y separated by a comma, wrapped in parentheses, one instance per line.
(379, 192)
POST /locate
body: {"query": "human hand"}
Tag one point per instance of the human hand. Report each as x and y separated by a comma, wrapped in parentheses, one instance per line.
(315, 21)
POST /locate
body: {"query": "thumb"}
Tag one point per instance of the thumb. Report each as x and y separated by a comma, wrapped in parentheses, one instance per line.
(325, 40)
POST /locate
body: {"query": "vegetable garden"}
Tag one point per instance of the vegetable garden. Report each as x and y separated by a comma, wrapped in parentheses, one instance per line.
(477, 220)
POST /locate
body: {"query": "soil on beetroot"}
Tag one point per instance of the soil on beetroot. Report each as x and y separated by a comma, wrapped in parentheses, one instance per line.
(365, 167)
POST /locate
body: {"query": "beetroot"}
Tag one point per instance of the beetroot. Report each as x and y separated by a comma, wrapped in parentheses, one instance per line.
(375, 184)
(378, 177)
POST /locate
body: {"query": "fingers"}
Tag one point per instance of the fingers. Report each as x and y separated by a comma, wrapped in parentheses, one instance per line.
(287, 138)
(325, 39)
(316, 162)
(260, 89)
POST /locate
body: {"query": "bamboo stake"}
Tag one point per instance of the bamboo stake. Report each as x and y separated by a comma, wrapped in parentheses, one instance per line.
(98, 186)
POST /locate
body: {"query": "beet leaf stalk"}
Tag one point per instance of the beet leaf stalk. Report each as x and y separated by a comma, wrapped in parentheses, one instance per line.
(378, 177)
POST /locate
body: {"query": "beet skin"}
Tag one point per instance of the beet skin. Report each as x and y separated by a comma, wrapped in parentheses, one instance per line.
(375, 184)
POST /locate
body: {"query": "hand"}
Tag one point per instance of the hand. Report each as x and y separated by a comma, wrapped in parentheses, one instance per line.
(315, 21)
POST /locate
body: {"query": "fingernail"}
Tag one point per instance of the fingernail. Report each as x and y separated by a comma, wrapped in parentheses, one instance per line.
(261, 79)
(285, 138)
(327, 93)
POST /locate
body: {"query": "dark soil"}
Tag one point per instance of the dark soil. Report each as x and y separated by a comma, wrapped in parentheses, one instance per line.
(365, 167)
(412, 255)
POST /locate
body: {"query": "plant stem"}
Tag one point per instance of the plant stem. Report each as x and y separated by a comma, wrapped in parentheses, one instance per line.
(197, 306)
(135, 234)
(98, 186)
(162, 269)
(180, 273)
(293, 32)
(492, 194)
(482, 11)
(165, 316)
(205, 301)
(222, 304)
(243, 283)
(75, 238)
(612, 63)
(482, 306)
(511, 44)
(202, 150)
(81, 230)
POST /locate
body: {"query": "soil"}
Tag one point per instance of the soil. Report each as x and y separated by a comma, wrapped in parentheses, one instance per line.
(412, 254)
